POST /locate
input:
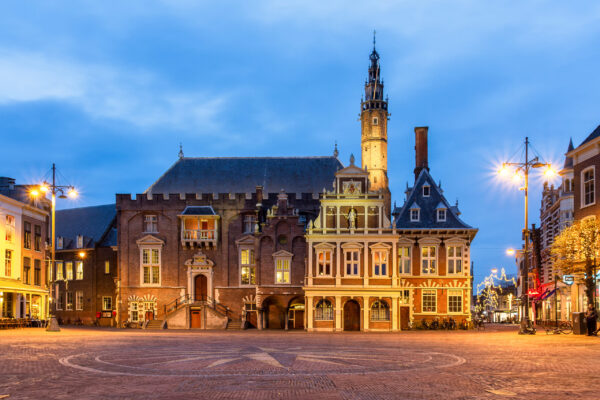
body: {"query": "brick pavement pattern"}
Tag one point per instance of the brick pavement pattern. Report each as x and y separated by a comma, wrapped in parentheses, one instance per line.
(98, 363)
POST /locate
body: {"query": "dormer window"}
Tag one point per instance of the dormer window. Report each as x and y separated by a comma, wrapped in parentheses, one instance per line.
(441, 215)
(79, 241)
(59, 243)
(415, 215)
(426, 190)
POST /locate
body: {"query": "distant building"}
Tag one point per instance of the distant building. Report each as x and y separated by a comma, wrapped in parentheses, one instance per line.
(23, 239)
(85, 276)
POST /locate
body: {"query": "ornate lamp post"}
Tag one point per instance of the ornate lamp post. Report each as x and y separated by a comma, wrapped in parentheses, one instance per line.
(62, 191)
(524, 168)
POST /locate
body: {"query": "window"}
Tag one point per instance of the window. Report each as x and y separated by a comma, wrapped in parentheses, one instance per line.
(455, 259)
(79, 270)
(380, 311)
(588, 195)
(37, 272)
(69, 270)
(8, 263)
(352, 257)
(404, 296)
(248, 267)
(324, 311)
(69, 301)
(380, 262)
(26, 270)
(27, 235)
(375, 121)
(429, 301)
(37, 243)
(107, 303)
(150, 223)
(79, 241)
(133, 311)
(428, 260)
(10, 228)
(404, 260)
(426, 190)
(441, 214)
(60, 301)
(59, 271)
(107, 267)
(455, 301)
(282, 270)
(59, 242)
(414, 214)
(324, 262)
(79, 300)
(249, 223)
(151, 266)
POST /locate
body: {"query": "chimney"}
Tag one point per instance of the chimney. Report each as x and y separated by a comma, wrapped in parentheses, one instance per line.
(421, 161)
(259, 196)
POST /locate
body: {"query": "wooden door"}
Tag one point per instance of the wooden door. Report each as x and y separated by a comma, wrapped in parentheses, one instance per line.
(404, 317)
(200, 285)
(196, 319)
(299, 319)
(351, 316)
(149, 315)
(251, 319)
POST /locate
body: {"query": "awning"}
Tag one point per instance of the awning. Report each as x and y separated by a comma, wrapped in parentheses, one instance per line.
(13, 285)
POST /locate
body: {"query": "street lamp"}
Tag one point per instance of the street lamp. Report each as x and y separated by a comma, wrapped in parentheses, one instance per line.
(54, 189)
(521, 174)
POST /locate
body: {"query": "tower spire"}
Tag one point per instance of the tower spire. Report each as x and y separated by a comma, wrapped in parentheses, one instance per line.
(374, 33)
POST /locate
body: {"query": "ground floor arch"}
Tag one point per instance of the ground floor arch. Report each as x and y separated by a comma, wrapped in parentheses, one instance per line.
(273, 313)
(295, 313)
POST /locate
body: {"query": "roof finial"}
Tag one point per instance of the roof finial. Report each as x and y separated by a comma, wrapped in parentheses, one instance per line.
(374, 33)
(351, 159)
(335, 150)
(180, 151)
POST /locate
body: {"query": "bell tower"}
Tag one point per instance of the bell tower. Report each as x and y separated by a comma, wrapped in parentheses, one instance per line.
(373, 118)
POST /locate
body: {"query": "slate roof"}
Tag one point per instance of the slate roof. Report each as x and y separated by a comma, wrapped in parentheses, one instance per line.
(428, 208)
(591, 136)
(198, 210)
(243, 174)
(90, 222)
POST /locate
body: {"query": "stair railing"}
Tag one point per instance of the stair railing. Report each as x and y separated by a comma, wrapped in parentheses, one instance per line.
(176, 304)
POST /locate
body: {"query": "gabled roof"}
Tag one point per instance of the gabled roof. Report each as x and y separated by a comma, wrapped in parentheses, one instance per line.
(591, 136)
(198, 210)
(243, 174)
(428, 206)
(90, 222)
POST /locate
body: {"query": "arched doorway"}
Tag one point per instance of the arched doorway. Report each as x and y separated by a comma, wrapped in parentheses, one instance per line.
(351, 316)
(273, 314)
(296, 314)
(200, 288)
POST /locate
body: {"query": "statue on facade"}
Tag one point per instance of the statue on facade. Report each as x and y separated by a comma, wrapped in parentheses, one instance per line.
(352, 218)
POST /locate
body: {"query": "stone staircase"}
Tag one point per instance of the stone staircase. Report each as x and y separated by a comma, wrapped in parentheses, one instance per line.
(154, 324)
(235, 325)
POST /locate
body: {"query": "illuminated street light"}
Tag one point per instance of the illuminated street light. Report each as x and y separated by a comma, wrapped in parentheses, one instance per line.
(510, 252)
(82, 254)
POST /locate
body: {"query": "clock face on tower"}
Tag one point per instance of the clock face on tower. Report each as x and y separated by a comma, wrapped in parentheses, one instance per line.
(351, 187)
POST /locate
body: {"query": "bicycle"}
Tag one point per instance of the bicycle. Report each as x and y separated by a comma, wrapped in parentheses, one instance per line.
(478, 323)
(564, 327)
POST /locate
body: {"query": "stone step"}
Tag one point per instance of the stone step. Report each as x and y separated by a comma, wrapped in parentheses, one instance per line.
(154, 324)
(234, 325)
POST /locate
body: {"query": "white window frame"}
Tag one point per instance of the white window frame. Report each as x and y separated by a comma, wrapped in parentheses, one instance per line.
(414, 218)
(327, 261)
(249, 223)
(251, 265)
(68, 305)
(326, 313)
(150, 223)
(350, 263)
(385, 264)
(69, 270)
(134, 307)
(380, 314)
(151, 265)
(429, 259)
(404, 298)
(104, 308)
(403, 258)
(441, 214)
(455, 293)
(78, 270)
(8, 259)
(455, 259)
(583, 186)
(79, 241)
(79, 300)
(283, 265)
(428, 190)
(428, 291)
(60, 268)
(9, 235)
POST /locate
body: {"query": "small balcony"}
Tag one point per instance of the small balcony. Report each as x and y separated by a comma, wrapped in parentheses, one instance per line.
(199, 227)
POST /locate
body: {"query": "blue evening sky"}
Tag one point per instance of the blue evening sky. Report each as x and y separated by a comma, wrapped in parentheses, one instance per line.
(107, 90)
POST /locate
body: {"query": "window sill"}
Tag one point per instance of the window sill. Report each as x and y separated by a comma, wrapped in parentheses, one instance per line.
(150, 285)
(587, 205)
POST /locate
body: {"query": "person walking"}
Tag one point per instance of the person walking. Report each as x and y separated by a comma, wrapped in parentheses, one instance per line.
(590, 317)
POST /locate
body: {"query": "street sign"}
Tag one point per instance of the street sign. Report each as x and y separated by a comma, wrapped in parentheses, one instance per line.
(568, 279)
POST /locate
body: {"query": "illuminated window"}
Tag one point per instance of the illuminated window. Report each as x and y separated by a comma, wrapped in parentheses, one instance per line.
(455, 261)
(37, 241)
(380, 311)
(404, 296)
(428, 260)
(69, 270)
(380, 263)
(247, 267)
(324, 262)
(282, 270)
(106, 303)
(27, 235)
(69, 301)
(151, 266)
(351, 260)
(107, 267)
(429, 300)
(150, 223)
(79, 270)
(133, 311)
(9, 235)
(79, 300)
(79, 241)
(588, 195)
(455, 301)
(59, 271)
(8, 256)
(404, 267)
(324, 311)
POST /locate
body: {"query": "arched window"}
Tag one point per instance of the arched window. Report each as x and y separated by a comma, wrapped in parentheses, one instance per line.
(380, 311)
(324, 311)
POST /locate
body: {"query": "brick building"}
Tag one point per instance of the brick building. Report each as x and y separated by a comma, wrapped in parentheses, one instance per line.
(86, 265)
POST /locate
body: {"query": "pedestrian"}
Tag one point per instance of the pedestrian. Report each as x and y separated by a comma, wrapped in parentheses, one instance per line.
(590, 317)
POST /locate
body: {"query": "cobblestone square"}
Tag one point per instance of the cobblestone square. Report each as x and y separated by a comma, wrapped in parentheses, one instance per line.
(91, 363)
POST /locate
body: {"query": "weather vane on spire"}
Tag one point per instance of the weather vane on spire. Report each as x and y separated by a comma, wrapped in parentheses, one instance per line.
(374, 33)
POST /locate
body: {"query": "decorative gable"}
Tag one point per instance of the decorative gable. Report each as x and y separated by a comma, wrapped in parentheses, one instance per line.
(150, 240)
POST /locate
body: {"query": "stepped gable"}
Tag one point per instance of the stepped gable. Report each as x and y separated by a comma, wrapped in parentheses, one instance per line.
(90, 222)
(428, 206)
(243, 174)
